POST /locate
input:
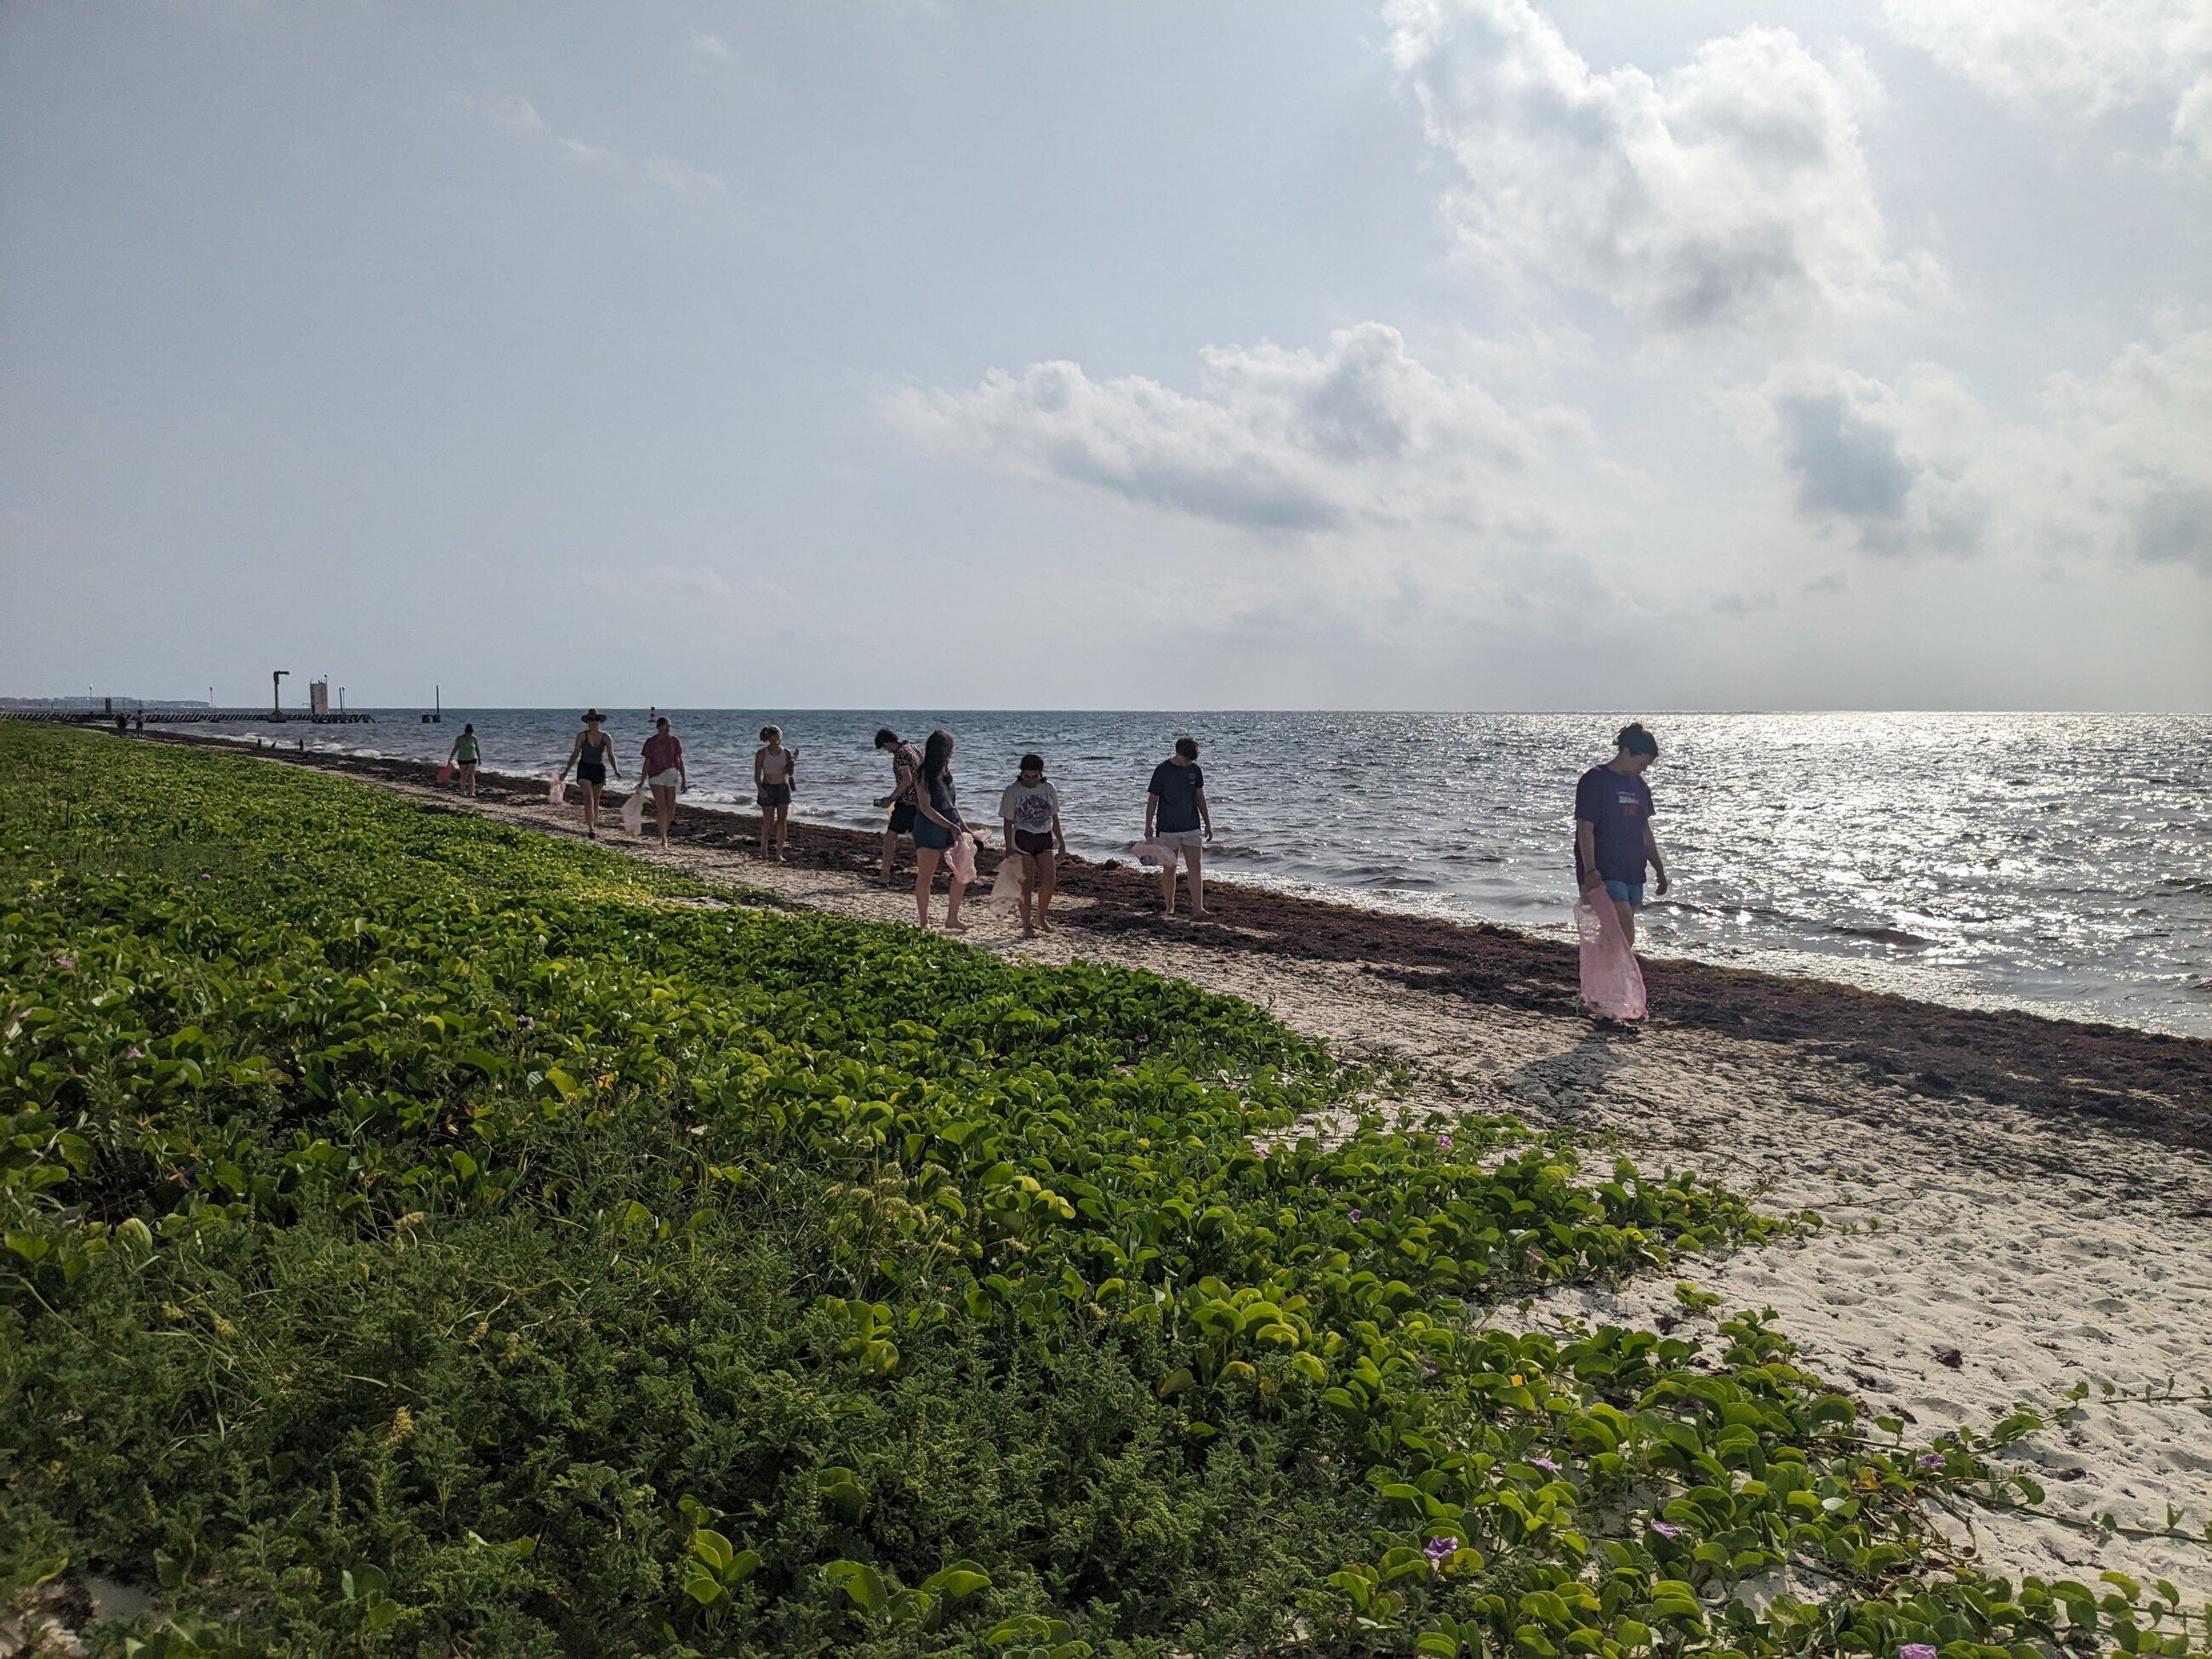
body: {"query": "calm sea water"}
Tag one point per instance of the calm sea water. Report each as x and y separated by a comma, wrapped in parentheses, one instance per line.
(2050, 861)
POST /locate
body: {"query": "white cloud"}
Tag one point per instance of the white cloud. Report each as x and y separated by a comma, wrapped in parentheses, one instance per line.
(1889, 468)
(2076, 59)
(709, 45)
(517, 114)
(1273, 440)
(2119, 467)
(680, 177)
(1733, 190)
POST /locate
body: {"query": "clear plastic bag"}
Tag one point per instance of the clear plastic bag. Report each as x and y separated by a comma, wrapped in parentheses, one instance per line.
(1612, 982)
(557, 794)
(633, 818)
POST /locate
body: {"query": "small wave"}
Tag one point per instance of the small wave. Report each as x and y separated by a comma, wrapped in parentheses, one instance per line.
(1896, 936)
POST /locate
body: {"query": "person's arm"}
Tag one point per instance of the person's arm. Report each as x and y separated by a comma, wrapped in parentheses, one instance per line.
(1651, 852)
(1586, 845)
(790, 769)
(1204, 813)
(1006, 828)
(1152, 812)
(760, 768)
(454, 750)
(682, 777)
(1059, 837)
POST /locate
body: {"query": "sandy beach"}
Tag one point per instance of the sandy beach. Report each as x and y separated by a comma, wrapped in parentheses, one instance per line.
(2010, 1207)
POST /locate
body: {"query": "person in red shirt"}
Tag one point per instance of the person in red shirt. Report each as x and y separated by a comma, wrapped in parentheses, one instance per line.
(663, 773)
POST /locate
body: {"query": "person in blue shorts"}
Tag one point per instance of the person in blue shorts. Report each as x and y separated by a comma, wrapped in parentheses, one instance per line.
(1613, 826)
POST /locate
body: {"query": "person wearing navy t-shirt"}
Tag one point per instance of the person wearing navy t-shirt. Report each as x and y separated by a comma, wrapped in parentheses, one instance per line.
(1613, 827)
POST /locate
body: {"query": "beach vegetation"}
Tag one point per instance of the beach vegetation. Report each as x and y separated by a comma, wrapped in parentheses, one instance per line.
(421, 1236)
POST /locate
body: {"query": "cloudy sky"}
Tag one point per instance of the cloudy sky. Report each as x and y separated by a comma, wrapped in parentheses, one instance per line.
(1425, 354)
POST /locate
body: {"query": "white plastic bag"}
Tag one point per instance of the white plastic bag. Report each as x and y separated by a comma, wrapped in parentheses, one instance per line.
(1006, 886)
(962, 856)
(558, 795)
(633, 820)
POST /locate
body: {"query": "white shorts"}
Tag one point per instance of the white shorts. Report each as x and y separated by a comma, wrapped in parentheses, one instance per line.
(1190, 838)
(667, 779)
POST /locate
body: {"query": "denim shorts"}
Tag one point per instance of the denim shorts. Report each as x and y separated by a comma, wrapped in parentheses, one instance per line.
(1630, 893)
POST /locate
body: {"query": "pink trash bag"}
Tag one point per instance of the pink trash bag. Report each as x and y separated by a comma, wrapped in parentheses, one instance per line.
(1612, 985)
(961, 855)
(557, 794)
(634, 811)
(1152, 854)
(446, 773)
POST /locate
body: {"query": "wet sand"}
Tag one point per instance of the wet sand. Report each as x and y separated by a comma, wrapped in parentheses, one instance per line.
(2012, 1205)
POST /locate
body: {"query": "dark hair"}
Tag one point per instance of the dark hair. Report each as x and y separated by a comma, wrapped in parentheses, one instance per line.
(886, 738)
(1186, 747)
(660, 720)
(1636, 740)
(468, 725)
(776, 732)
(1031, 764)
(935, 753)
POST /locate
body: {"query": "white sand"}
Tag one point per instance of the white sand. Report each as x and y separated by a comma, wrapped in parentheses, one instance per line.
(2046, 1254)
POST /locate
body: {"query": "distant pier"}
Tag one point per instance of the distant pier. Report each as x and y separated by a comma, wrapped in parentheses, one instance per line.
(189, 716)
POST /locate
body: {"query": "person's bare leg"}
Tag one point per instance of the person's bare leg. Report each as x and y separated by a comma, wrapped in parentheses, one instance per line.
(1048, 864)
(925, 872)
(1627, 922)
(1028, 892)
(782, 832)
(1198, 910)
(957, 887)
(891, 856)
(664, 810)
(1167, 886)
(591, 809)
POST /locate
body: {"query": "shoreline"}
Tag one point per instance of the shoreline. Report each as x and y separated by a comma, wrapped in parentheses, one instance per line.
(2148, 1083)
(1978, 1252)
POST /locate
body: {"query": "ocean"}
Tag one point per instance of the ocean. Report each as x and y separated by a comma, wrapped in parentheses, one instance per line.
(2060, 863)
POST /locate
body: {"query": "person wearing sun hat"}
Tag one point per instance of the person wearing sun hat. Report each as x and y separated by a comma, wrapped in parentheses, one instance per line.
(593, 754)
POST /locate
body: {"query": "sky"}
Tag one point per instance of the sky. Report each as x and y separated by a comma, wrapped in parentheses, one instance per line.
(1425, 354)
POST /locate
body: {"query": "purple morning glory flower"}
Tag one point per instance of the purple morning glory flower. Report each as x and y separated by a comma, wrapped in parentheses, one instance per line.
(1931, 1460)
(134, 1053)
(1438, 1549)
(65, 962)
(1358, 1215)
(1666, 1531)
(1144, 1039)
(1917, 1651)
(1545, 1463)
(1444, 1142)
(524, 1022)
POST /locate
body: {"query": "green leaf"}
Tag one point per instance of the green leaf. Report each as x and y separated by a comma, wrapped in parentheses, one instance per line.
(862, 1582)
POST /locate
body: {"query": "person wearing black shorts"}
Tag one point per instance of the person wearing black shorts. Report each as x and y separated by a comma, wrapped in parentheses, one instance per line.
(592, 755)
(905, 766)
(1029, 810)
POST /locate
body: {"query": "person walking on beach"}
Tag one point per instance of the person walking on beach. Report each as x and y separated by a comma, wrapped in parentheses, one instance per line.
(593, 754)
(1175, 809)
(1030, 809)
(1612, 828)
(775, 771)
(937, 825)
(465, 754)
(663, 773)
(906, 766)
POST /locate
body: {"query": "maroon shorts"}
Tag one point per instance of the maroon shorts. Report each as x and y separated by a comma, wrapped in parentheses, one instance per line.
(1032, 840)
